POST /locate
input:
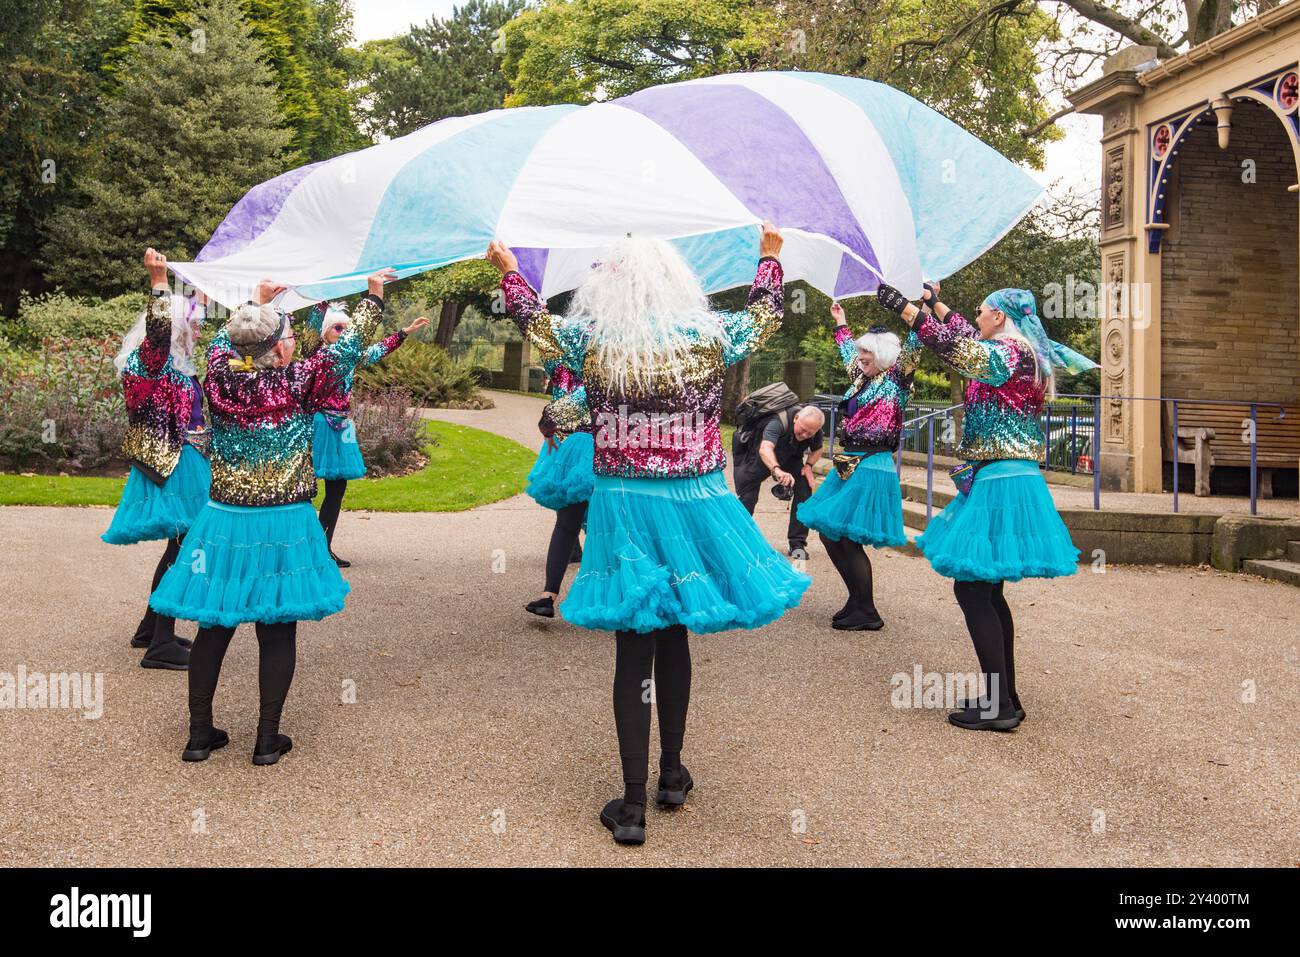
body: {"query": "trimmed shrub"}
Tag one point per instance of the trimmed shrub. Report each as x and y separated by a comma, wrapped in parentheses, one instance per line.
(60, 316)
(425, 372)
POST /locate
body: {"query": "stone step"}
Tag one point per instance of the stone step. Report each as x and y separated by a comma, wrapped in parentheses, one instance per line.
(1282, 571)
(1293, 551)
(914, 515)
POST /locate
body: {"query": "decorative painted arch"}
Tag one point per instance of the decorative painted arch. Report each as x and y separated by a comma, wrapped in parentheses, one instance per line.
(1279, 92)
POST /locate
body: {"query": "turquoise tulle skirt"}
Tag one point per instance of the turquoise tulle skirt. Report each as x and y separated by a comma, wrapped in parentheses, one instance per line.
(1007, 528)
(149, 512)
(335, 454)
(239, 564)
(867, 508)
(564, 476)
(678, 551)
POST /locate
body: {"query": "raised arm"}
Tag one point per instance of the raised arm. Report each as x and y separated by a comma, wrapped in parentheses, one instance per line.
(954, 340)
(555, 341)
(156, 347)
(746, 332)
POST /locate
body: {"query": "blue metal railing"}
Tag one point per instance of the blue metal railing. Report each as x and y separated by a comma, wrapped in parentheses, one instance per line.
(1080, 424)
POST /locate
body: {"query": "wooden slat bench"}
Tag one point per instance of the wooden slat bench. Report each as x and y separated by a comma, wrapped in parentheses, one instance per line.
(1210, 435)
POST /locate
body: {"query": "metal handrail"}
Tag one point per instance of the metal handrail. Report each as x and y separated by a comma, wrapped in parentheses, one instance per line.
(1254, 437)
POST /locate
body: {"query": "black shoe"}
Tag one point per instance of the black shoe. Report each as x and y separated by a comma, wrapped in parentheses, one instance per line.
(973, 704)
(859, 620)
(971, 720)
(169, 656)
(545, 607)
(849, 608)
(341, 562)
(798, 553)
(144, 641)
(198, 750)
(626, 821)
(269, 747)
(576, 555)
(673, 787)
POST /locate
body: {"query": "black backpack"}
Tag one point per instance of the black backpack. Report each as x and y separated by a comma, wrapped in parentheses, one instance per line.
(775, 399)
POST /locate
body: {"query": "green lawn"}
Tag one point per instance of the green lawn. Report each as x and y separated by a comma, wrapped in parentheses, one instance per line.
(468, 467)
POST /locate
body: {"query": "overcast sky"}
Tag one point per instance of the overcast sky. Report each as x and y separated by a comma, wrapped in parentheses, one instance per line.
(1075, 161)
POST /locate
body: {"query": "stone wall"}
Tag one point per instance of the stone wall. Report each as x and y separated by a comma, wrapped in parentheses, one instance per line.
(1229, 316)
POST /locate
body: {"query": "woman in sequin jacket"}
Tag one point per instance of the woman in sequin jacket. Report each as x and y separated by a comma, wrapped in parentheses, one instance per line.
(257, 552)
(562, 479)
(335, 454)
(668, 548)
(166, 444)
(860, 502)
(1003, 526)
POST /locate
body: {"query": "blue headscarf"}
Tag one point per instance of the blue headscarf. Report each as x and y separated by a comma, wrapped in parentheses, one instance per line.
(1020, 308)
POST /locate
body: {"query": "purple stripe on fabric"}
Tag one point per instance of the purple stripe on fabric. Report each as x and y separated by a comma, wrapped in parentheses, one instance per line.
(253, 214)
(532, 264)
(757, 152)
(854, 277)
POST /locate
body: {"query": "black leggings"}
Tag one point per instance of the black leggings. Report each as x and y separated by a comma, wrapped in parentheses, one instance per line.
(992, 632)
(277, 654)
(667, 655)
(568, 522)
(329, 508)
(851, 561)
(159, 629)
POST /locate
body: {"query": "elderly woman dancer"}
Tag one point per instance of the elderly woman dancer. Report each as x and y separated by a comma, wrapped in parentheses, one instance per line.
(1003, 526)
(166, 444)
(562, 480)
(860, 502)
(335, 454)
(668, 548)
(257, 552)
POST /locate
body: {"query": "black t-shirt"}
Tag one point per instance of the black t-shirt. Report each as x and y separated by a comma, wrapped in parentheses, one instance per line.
(789, 449)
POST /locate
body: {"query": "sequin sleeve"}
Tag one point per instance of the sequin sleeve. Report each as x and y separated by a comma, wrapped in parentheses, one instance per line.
(316, 318)
(848, 348)
(747, 331)
(383, 347)
(909, 357)
(156, 347)
(567, 414)
(990, 361)
(555, 340)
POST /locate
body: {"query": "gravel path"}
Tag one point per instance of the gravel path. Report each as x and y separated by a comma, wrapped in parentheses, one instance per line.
(482, 736)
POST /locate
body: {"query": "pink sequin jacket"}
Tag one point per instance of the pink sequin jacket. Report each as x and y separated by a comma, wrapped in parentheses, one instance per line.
(159, 399)
(874, 419)
(339, 406)
(1000, 419)
(670, 431)
(262, 420)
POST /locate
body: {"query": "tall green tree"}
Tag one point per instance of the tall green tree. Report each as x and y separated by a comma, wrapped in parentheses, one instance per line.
(304, 41)
(446, 67)
(49, 101)
(575, 51)
(194, 125)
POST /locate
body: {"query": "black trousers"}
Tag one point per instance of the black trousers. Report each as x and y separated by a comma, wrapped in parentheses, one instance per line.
(665, 654)
(154, 628)
(749, 478)
(277, 657)
(993, 633)
(564, 537)
(330, 505)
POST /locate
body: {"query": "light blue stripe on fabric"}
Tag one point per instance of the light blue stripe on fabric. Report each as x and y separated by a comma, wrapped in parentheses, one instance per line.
(1007, 468)
(964, 194)
(881, 462)
(452, 195)
(724, 259)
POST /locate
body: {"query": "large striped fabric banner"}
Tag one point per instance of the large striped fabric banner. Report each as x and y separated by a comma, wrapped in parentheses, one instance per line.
(866, 183)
